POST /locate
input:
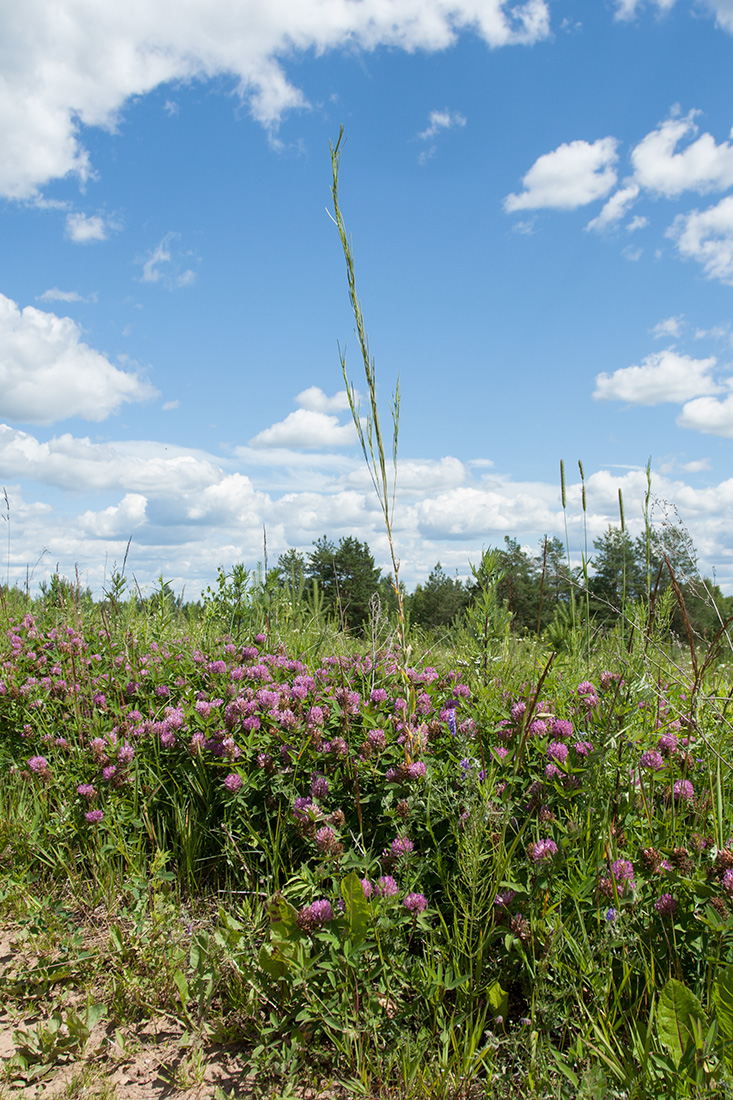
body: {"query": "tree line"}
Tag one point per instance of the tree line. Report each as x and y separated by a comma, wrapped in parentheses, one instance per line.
(535, 589)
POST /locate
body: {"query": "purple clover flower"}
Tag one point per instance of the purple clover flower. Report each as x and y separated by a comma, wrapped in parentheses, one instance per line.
(38, 764)
(558, 752)
(417, 770)
(315, 915)
(94, 816)
(387, 887)
(319, 786)
(301, 808)
(652, 761)
(233, 782)
(542, 850)
(683, 791)
(401, 846)
(86, 790)
(415, 903)
(666, 905)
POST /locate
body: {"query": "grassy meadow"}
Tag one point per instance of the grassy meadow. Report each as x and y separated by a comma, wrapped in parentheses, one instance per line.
(480, 865)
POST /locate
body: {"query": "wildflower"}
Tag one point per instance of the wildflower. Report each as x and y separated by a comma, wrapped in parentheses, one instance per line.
(377, 739)
(417, 770)
(504, 898)
(611, 915)
(517, 711)
(38, 764)
(109, 772)
(623, 871)
(86, 790)
(666, 905)
(326, 839)
(401, 846)
(379, 695)
(302, 807)
(558, 752)
(652, 761)
(198, 740)
(541, 850)
(94, 816)
(585, 688)
(415, 903)
(683, 791)
(367, 887)
(315, 915)
(583, 748)
(451, 719)
(562, 728)
(552, 771)
(319, 786)
(126, 754)
(727, 883)
(233, 782)
(538, 728)
(667, 744)
(387, 887)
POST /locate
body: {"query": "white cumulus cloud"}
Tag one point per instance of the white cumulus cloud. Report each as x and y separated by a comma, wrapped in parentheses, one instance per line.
(707, 237)
(76, 64)
(82, 229)
(615, 208)
(701, 166)
(315, 400)
(709, 416)
(662, 376)
(47, 373)
(307, 429)
(572, 175)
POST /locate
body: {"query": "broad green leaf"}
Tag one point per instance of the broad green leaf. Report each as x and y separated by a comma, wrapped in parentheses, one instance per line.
(357, 907)
(284, 918)
(723, 1001)
(498, 1000)
(677, 1008)
(181, 982)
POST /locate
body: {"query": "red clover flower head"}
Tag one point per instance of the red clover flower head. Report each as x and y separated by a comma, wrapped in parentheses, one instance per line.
(417, 770)
(562, 728)
(233, 782)
(653, 761)
(315, 915)
(325, 838)
(727, 882)
(666, 905)
(38, 765)
(683, 791)
(558, 752)
(541, 850)
(319, 786)
(415, 903)
(401, 846)
(94, 816)
(86, 790)
(387, 887)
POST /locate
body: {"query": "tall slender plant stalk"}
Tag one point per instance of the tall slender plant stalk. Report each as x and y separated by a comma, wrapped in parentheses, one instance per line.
(370, 434)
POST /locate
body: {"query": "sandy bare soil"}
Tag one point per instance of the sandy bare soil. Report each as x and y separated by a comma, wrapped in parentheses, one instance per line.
(148, 1062)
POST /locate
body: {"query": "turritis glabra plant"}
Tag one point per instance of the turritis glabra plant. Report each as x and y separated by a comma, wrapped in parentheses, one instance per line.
(369, 430)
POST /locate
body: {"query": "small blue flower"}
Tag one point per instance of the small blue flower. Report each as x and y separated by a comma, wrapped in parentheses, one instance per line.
(611, 915)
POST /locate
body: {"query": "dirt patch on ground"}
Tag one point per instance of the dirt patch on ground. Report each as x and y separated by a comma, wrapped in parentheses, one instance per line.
(152, 1061)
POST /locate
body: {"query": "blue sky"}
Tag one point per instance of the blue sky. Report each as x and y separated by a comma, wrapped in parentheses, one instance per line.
(540, 197)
